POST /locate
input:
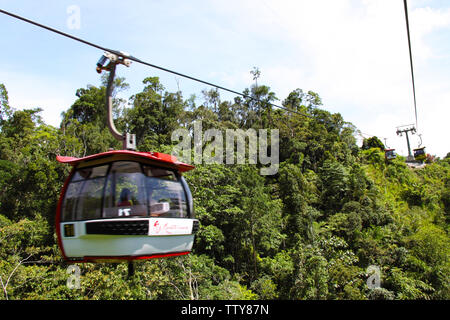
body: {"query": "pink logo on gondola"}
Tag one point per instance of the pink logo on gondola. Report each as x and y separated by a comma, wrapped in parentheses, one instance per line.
(170, 227)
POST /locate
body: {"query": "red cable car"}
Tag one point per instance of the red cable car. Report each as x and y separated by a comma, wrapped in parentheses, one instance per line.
(125, 205)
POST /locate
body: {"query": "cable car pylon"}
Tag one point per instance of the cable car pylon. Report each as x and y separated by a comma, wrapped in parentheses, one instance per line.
(405, 129)
(418, 155)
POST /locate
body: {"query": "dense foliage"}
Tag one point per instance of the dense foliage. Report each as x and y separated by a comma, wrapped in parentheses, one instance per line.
(311, 231)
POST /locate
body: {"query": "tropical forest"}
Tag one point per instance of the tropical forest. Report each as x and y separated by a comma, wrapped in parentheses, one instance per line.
(337, 221)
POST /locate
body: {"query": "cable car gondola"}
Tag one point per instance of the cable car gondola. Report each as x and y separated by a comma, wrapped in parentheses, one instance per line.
(389, 154)
(124, 204)
(419, 154)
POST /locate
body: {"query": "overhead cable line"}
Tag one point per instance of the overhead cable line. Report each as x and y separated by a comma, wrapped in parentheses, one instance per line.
(410, 58)
(362, 134)
(147, 63)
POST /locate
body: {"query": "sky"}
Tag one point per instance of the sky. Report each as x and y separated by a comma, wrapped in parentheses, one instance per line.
(353, 53)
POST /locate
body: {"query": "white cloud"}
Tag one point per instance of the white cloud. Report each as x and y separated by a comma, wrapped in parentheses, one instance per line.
(424, 21)
(355, 55)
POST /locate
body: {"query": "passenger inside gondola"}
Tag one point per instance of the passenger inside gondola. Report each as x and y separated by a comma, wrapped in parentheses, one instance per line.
(125, 198)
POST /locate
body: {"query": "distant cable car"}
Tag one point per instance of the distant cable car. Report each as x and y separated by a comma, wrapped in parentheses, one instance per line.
(125, 205)
(389, 154)
(419, 154)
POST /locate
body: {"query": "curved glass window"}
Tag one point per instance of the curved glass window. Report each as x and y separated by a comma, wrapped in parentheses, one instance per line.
(125, 189)
(83, 199)
(125, 193)
(166, 194)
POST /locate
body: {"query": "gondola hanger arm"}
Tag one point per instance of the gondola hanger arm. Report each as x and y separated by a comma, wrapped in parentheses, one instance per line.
(108, 62)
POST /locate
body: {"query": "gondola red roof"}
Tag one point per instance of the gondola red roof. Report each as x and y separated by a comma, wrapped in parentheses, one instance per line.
(156, 156)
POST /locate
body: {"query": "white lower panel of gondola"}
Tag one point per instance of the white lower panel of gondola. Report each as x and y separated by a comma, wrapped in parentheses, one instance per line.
(166, 235)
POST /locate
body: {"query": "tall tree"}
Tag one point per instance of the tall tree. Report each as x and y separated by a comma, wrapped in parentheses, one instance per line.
(155, 114)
